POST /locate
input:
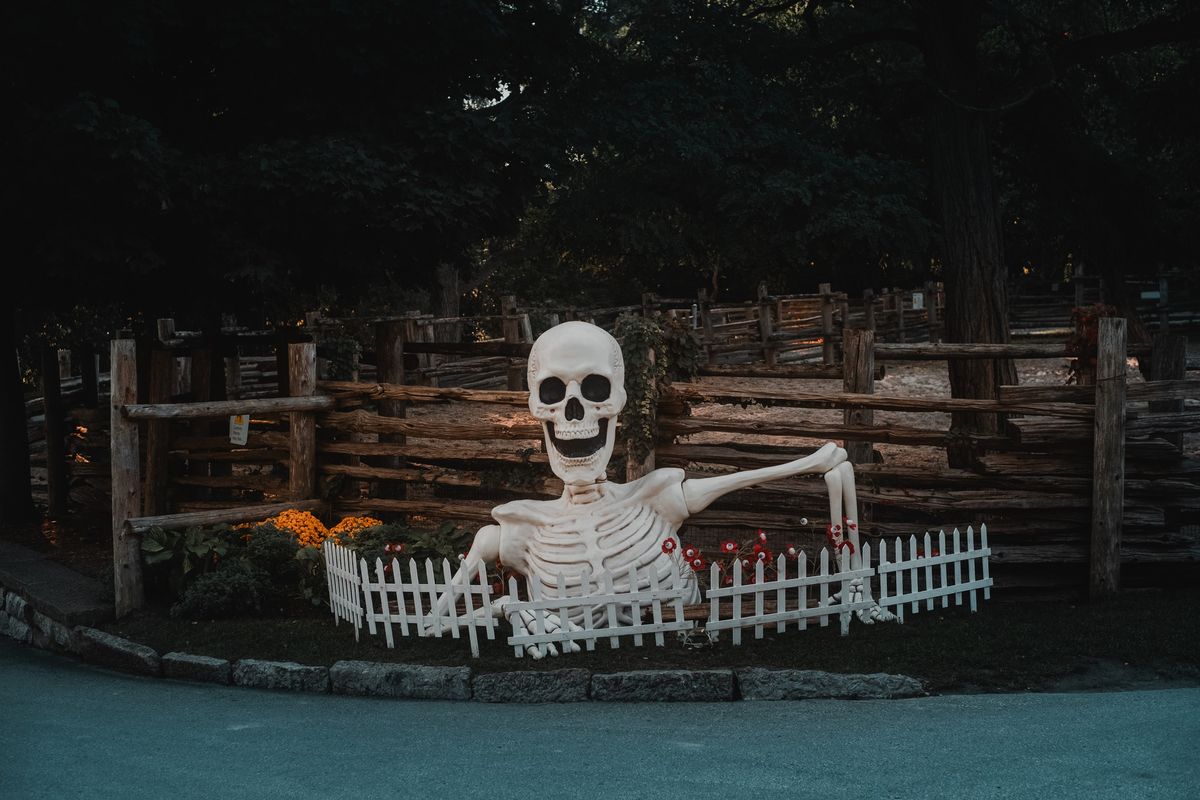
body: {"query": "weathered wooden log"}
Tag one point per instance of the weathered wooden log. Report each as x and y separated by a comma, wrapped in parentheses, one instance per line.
(434, 454)
(126, 480)
(137, 526)
(258, 483)
(437, 476)
(1108, 496)
(424, 394)
(699, 394)
(258, 439)
(433, 508)
(1153, 391)
(891, 434)
(361, 421)
(225, 408)
(1168, 362)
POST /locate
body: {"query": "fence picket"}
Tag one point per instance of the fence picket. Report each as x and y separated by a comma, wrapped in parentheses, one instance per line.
(883, 575)
(563, 617)
(634, 610)
(431, 588)
(957, 568)
(737, 601)
(398, 588)
(942, 572)
(929, 570)
(449, 590)
(758, 596)
(844, 569)
(607, 583)
(971, 564)
(678, 589)
(418, 607)
(824, 596)
(489, 617)
(589, 614)
(385, 607)
(469, 607)
(781, 594)
(366, 591)
(714, 602)
(985, 561)
(899, 581)
(512, 594)
(539, 613)
(802, 602)
(913, 575)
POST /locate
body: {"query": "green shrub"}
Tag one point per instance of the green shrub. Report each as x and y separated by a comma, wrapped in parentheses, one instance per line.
(179, 557)
(233, 591)
(272, 551)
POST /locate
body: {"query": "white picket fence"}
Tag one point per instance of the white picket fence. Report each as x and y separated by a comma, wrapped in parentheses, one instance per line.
(620, 613)
(417, 601)
(791, 595)
(935, 574)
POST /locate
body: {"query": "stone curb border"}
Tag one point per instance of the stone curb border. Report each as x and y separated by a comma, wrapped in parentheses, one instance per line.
(20, 621)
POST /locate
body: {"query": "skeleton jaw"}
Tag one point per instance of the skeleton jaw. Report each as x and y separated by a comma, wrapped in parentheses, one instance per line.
(580, 456)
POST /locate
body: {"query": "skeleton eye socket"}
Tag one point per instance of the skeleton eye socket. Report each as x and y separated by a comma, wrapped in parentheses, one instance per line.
(596, 388)
(552, 390)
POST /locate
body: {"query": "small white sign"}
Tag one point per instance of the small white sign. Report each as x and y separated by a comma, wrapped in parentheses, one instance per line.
(239, 429)
(918, 301)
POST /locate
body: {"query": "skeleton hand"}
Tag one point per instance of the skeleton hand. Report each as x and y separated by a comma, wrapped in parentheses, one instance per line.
(524, 623)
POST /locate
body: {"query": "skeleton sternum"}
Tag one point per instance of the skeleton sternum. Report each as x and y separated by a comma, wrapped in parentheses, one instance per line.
(605, 536)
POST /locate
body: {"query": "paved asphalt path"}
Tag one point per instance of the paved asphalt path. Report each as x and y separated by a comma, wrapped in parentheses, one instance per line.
(68, 730)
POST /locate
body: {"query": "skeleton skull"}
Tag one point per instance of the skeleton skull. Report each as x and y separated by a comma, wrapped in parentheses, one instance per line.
(576, 390)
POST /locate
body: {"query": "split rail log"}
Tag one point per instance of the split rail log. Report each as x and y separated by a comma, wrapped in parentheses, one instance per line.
(136, 526)
(128, 590)
(764, 326)
(1108, 493)
(436, 454)
(476, 513)
(1168, 362)
(225, 408)
(887, 434)
(360, 421)
(421, 394)
(512, 335)
(489, 348)
(438, 476)
(390, 345)
(54, 416)
(828, 354)
(801, 371)
(697, 394)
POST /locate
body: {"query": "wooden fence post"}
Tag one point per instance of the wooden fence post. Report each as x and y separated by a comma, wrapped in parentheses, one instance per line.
(1168, 362)
(764, 324)
(200, 384)
(511, 328)
(858, 376)
(868, 311)
(126, 480)
(931, 311)
(302, 438)
(827, 353)
(1108, 460)
(389, 366)
(89, 376)
(706, 325)
(1164, 310)
(898, 300)
(54, 420)
(158, 431)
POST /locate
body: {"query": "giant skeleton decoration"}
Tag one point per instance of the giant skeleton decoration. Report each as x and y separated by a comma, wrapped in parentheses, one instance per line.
(577, 390)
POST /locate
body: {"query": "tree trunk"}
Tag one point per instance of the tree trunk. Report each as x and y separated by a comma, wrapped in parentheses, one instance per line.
(966, 205)
(448, 303)
(16, 496)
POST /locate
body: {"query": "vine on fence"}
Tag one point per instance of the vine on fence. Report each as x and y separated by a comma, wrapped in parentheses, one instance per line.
(676, 357)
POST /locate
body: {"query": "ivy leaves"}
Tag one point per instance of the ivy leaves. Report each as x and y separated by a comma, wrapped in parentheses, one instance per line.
(656, 350)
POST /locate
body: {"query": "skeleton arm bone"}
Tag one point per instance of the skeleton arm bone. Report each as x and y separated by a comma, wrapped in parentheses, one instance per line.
(700, 493)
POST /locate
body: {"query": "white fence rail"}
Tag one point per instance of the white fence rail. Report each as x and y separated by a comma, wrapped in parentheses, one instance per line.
(934, 572)
(416, 601)
(792, 599)
(606, 614)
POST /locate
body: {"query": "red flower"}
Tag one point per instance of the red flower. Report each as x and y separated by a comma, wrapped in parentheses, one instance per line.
(791, 552)
(847, 544)
(497, 587)
(690, 551)
(850, 524)
(758, 548)
(761, 534)
(698, 563)
(669, 545)
(747, 563)
(729, 546)
(764, 556)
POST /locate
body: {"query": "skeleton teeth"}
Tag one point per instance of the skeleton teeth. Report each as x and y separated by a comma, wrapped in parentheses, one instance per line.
(579, 450)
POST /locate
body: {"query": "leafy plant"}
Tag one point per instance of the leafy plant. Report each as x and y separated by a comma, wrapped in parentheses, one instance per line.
(676, 356)
(181, 556)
